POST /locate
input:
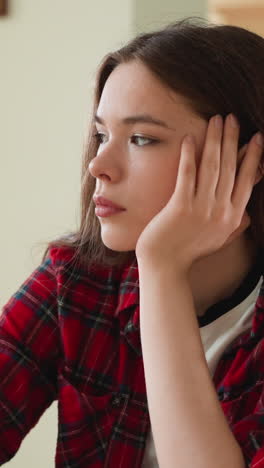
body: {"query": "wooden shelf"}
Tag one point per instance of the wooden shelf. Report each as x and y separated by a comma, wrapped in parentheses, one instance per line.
(244, 13)
(230, 4)
(3, 7)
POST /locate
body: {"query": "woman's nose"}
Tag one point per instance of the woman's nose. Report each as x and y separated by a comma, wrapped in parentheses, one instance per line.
(102, 166)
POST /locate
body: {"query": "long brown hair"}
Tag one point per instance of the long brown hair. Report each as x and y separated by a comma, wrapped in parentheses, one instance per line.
(219, 69)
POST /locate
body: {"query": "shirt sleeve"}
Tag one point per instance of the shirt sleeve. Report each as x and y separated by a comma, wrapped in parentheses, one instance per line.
(29, 351)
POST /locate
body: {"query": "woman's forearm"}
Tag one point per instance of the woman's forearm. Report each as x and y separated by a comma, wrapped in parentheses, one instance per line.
(188, 424)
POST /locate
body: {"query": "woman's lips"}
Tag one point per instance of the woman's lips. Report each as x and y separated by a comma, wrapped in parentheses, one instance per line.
(101, 201)
(104, 211)
(105, 207)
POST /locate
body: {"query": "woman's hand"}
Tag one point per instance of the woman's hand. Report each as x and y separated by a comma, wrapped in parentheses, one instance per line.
(208, 206)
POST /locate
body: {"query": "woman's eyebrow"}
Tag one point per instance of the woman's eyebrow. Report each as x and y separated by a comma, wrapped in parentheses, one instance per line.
(144, 118)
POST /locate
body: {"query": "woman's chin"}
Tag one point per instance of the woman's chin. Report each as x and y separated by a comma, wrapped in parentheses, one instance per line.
(118, 246)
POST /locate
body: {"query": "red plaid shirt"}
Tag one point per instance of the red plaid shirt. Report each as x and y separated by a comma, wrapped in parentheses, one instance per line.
(74, 336)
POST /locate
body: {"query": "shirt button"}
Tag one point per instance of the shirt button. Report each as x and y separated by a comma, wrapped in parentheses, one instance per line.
(116, 400)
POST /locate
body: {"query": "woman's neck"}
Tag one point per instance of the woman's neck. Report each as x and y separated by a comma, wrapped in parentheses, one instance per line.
(217, 276)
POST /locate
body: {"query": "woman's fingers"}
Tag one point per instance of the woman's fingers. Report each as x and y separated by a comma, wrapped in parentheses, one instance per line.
(208, 175)
(219, 186)
(186, 178)
(247, 173)
(229, 160)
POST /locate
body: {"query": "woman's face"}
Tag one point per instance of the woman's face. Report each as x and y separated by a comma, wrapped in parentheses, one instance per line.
(137, 163)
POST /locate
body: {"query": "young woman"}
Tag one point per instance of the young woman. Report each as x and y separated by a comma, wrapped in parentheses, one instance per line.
(147, 324)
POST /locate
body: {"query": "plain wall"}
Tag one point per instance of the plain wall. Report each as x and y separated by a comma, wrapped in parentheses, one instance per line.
(49, 52)
(151, 14)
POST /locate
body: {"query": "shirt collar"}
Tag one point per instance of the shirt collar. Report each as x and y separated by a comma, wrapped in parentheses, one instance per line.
(127, 310)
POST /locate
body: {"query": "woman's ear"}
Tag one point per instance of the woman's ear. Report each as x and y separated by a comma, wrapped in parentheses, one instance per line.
(260, 171)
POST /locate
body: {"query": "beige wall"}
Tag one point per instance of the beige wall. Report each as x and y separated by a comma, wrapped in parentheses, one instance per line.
(150, 14)
(49, 53)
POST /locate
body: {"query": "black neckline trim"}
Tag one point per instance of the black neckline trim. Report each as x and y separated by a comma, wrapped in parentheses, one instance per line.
(241, 293)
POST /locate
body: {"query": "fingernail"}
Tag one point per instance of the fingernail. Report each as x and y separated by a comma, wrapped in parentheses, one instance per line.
(218, 121)
(259, 139)
(233, 120)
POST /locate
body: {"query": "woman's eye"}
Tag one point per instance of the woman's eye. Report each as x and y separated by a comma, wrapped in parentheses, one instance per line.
(99, 137)
(138, 140)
